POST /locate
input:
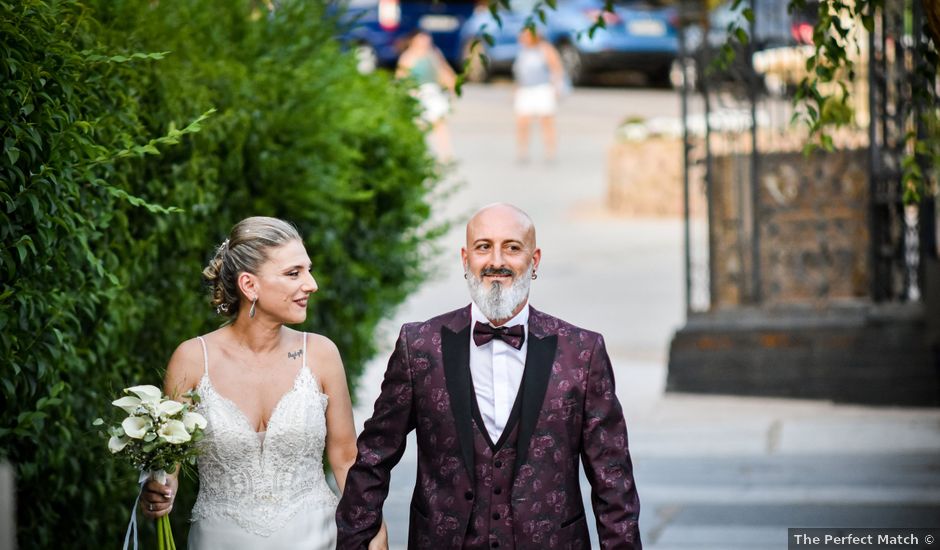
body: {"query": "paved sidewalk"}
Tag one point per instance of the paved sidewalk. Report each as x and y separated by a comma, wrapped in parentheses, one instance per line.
(713, 472)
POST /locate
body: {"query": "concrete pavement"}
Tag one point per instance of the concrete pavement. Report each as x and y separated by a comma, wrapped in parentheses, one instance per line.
(713, 472)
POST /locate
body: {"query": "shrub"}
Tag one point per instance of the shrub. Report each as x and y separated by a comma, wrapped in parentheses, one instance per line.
(105, 229)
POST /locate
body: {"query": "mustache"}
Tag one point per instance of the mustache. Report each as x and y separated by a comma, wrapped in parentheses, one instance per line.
(497, 271)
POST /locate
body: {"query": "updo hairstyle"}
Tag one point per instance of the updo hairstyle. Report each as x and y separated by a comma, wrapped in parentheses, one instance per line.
(245, 249)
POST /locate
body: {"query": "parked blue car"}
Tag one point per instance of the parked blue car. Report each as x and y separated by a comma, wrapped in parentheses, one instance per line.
(377, 29)
(640, 35)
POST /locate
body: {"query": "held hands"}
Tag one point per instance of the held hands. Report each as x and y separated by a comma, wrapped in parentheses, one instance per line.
(380, 542)
(156, 500)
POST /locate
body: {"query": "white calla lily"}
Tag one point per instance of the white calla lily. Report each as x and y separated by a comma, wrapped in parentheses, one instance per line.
(194, 420)
(174, 432)
(136, 427)
(147, 393)
(168, 407)
(129, 403)
(117, 444)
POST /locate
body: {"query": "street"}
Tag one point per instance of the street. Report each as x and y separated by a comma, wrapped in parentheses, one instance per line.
(713, 472)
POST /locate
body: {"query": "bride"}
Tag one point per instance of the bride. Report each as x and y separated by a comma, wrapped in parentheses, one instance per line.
(274, 398)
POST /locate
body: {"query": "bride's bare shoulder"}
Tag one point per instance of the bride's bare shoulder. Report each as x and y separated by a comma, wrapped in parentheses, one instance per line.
(185, 368)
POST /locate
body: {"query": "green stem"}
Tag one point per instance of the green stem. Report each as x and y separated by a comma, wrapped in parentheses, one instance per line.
(161, 540)
(165, 534)
(171, 544)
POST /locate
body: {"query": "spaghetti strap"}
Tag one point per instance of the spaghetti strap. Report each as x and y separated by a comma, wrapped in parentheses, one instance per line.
(305, 350)
(205, 354)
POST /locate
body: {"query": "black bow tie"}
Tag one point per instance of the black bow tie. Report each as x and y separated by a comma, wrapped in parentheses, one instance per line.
(483, 333)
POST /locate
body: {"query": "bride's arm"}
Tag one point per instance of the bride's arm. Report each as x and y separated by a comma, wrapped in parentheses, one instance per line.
(340, 431)
(182, 375)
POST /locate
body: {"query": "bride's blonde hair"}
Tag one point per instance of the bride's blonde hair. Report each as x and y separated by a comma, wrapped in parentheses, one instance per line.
(245, 249)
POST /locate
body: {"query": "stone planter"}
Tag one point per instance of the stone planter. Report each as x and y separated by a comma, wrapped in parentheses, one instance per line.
(644, 178)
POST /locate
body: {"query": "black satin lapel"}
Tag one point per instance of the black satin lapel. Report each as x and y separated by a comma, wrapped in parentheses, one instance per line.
(455, 348)
(538, 369)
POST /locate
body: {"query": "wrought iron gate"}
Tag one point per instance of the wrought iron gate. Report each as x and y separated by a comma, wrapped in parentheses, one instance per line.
(780, 227)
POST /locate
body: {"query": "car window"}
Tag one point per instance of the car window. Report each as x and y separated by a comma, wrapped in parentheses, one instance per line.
(523, 6)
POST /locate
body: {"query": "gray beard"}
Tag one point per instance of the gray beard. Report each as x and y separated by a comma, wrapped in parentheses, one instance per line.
(499, 302)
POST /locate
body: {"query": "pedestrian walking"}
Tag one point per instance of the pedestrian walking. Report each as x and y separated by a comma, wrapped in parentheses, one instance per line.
(540, 81)
(424, 63)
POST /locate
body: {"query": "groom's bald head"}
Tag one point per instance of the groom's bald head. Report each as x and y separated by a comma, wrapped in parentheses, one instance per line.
(502, 216)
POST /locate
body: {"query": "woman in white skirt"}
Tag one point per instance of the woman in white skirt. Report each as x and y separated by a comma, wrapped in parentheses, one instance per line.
(434, 79)
(539, 77)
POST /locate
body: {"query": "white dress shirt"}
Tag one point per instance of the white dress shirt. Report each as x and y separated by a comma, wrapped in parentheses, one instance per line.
(496, 369)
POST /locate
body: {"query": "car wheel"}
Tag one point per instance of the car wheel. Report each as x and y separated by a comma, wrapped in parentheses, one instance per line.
(367, 60)
(477, 69)
(660, 77)
(571, 60)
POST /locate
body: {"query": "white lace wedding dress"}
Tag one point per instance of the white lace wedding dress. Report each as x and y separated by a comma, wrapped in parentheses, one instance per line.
(264, 490)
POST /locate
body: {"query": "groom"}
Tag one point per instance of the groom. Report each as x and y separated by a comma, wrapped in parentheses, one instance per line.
(504, 399)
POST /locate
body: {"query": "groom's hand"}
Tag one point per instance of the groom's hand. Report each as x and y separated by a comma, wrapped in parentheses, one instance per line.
(156, 500)
(380, 542)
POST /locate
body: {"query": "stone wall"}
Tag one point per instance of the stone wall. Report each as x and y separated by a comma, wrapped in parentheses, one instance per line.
(813, 229)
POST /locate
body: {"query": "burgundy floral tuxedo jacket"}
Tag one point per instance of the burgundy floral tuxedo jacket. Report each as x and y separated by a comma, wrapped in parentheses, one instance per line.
(568, 410)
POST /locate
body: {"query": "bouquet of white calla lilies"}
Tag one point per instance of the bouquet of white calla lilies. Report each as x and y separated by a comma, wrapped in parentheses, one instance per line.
(156, 435)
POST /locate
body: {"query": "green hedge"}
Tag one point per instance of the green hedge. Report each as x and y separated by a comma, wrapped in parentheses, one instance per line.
(111, 202)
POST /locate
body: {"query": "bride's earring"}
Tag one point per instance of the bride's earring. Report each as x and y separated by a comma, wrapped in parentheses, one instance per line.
(535, 275)
(251, 312)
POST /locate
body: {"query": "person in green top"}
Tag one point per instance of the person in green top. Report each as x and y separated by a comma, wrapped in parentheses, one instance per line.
(423, 62)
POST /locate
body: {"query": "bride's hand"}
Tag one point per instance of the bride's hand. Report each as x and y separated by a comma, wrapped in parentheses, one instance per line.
(380, 542)
(156, 500)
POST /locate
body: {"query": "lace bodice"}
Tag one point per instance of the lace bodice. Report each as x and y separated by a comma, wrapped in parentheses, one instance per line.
(261, 483)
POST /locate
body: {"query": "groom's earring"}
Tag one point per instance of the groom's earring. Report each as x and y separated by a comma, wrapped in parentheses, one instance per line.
(535, 275)
(251, 312)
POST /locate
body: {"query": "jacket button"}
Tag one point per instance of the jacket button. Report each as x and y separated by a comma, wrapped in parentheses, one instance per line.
(498, 491)
(496, 516)
(494, 544)
(468, 495)
(498, 464)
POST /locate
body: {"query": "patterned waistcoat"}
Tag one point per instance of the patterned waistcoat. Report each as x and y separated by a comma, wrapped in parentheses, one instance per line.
(491, 522)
